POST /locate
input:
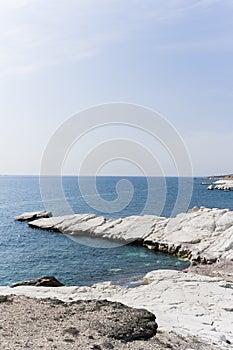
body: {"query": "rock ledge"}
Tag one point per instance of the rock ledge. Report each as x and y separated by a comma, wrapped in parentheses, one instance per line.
(33, 216)
(200, 235)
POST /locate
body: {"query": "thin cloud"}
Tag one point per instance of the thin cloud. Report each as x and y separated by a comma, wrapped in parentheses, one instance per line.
(176, 9)
(221, 45)
(15, 4)
(38, 34)
(46, 37)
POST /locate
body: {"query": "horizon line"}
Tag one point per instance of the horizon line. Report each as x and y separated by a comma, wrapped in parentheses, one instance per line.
(104, 175)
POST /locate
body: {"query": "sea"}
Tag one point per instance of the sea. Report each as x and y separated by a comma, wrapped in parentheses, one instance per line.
(27, 253)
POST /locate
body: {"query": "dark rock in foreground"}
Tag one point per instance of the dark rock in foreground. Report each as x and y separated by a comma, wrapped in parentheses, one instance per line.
(33, 216)
(45, 281)
(123, 322)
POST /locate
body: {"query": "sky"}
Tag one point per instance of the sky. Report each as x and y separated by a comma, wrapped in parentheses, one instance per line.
(58, 58)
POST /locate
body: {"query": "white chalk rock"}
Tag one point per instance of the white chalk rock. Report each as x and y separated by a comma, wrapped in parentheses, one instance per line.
(33, 215)
(205, 234)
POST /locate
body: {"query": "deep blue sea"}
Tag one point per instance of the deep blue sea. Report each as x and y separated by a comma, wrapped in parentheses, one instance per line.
(27, 253)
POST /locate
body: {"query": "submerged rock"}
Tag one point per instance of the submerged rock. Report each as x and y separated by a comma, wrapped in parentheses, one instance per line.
(45, 281)
(33, 216)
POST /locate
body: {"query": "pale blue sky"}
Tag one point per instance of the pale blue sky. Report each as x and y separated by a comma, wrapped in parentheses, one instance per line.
(59, 57)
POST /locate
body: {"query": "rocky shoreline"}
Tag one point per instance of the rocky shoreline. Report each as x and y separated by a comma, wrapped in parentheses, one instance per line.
(201, 235)
(193, 308)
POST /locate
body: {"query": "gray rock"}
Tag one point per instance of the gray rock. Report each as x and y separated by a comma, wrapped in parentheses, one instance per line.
(5, 298)
(33, 216)
(45, 281)
(124, 323)
(72, 330)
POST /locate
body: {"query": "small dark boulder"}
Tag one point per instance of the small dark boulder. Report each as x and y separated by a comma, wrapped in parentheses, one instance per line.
(45, 281)
(72, 330)
(5, 298)
(124, 323)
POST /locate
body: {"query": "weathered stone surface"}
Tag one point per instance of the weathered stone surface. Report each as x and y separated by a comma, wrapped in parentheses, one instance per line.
(45, 281)
(202, 234)
(33, 216)
(188, 304)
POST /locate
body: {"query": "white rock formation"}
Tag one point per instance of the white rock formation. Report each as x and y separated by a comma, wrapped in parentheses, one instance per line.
(186, 303)
(33, 215)
(224, 185)
(201, 234)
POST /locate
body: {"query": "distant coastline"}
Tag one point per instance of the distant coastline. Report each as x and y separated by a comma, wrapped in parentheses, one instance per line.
(221, 177)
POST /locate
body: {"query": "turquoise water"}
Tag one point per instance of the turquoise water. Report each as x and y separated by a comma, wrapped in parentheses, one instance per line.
(28, 253)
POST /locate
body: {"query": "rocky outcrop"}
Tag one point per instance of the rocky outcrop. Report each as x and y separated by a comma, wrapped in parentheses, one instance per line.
(33, 216)
(45, 281)
(123, 323)
(202, 235)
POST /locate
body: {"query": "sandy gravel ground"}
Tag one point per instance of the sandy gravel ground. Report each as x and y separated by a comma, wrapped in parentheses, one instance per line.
(222, 269)
(28, 323)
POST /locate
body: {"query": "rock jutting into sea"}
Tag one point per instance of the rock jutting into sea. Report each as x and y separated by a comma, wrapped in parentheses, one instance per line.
(200, 235)
(33, 216)
(45, 281)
